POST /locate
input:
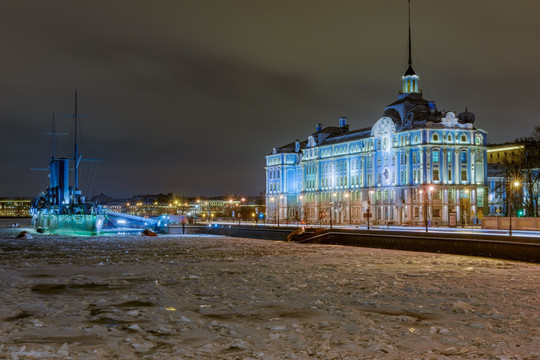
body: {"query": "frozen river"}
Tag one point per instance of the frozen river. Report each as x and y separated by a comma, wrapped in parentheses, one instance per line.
(203, 297)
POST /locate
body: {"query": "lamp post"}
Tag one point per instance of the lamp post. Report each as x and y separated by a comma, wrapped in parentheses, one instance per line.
(240, 204)
(239, 214)
(371, 192)
(278, 213)
(287, 210)
(301, 198)
(429, 189)
(512, 188)
(331, 203)
(466, 206)
(272, 199)
(278, 204)
(349, 206)
(231, 209)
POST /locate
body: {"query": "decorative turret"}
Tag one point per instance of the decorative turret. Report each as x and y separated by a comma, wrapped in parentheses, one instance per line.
(410, 79)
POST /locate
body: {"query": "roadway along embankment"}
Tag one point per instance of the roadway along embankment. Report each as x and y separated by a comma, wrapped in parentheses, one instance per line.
(473, 244)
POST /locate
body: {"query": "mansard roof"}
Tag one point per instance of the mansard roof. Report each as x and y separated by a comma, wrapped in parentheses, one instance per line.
(409, 112)
(410, 98)
(347, 136)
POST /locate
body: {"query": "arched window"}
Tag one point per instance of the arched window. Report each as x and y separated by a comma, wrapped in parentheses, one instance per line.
(435, 137)
(463, 138)
(449, 138)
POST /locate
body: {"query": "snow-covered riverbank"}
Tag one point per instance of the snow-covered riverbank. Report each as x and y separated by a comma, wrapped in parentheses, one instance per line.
(208, 297)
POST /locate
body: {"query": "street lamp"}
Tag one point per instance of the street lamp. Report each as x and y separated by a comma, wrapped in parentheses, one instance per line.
(512, 190)
(369, 212)
(426, 202)
(278, 204)
(466, 207)
(301, 198)
(239, 210)
(272, 199)
(349, 205)
(331, 203)
(426, 194)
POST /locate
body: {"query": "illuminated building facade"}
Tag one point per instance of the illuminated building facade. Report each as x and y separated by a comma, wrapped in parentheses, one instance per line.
(414, 165)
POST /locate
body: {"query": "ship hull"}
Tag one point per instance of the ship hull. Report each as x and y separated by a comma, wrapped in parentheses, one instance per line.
(72, 224)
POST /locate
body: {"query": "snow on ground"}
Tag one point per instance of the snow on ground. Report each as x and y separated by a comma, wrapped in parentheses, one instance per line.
(191, 297)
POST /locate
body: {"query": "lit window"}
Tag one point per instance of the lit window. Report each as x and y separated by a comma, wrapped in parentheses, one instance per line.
(436, 156)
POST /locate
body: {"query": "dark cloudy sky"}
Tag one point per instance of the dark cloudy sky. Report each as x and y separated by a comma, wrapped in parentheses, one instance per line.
(189, 96)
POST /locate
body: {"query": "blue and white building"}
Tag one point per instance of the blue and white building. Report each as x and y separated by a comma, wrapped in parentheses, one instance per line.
(416, 164)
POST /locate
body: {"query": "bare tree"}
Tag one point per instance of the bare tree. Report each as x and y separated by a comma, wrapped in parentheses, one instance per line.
(527, 163)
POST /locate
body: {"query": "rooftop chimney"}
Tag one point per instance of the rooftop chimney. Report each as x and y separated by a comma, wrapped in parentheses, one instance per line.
(343, 121)
(319, 127)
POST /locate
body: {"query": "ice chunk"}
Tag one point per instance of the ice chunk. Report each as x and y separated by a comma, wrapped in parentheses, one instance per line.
(64, 350)
(461, 306)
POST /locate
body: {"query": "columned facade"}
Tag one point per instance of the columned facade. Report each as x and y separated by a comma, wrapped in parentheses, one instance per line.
(415, 165)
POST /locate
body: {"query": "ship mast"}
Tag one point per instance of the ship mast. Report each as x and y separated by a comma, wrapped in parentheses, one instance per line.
(75, 155)
(53, 138)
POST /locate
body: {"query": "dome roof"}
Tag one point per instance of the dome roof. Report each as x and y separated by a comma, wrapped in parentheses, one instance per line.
(466, 117)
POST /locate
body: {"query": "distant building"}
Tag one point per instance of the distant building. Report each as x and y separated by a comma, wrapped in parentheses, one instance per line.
(15, 207)
(195, 208)
(415, 164)
(509, 163)
(504, 153)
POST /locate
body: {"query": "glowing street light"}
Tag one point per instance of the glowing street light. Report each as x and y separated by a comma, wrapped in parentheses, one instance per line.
(349, 205)
(370, 196)
(331, 203)
(272, 199)
(302, 215)
(429, 190)
(513, 188)
(278, 204)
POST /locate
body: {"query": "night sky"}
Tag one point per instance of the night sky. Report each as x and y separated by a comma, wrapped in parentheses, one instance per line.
(189, 96)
